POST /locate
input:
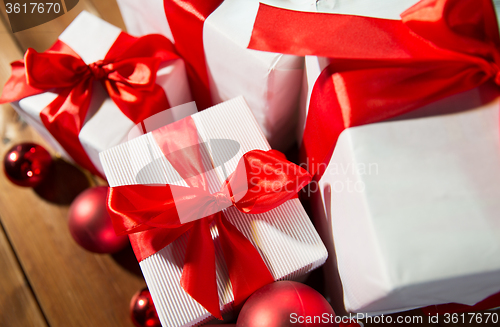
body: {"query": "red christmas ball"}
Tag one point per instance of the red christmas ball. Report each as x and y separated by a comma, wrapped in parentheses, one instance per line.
(142, 310)
(27, 164)
(286, 304)
(90, 224)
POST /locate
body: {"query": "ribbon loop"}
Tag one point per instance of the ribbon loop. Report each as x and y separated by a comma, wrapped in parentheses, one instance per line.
(50, 70)
(128, 73)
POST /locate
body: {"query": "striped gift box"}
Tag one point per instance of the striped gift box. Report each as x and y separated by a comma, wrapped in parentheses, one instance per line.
(284, 236)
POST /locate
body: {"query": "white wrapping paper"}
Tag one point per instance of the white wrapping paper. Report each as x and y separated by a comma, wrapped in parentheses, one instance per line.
(105, 125)
(270, 82)
(285, 237)
(144, 17)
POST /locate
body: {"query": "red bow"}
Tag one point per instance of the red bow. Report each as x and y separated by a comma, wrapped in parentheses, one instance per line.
(263, 180)
(383, 68)
(128, 73)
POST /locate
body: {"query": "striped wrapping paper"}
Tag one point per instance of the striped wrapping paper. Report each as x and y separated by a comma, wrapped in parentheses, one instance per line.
(284, 236)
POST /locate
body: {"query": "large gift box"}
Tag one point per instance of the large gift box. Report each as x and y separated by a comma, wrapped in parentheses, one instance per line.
(152, 171)
(270, 82)
(94, 85)
(415, 203)
(409, 206)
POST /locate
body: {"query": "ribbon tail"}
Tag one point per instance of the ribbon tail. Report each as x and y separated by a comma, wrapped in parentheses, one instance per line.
(199, 275)
(323, 122)
(186, 19)
(148, 242)
(17, 86)
(64, 119)
(247, 271)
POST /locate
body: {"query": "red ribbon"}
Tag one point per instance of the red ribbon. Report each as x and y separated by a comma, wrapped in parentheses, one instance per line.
(263, 180)
(128, 73)
(382, 68)
(186, 19)
(490, 302)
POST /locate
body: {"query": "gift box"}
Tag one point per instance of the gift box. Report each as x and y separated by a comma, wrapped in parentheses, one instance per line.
(270, 82)
(410, 200)
(106, 123)
(414, 202)
(283, 237)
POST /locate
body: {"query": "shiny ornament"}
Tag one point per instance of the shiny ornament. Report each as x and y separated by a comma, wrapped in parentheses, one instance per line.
(286, 304)
(90, 225)
(27, 164)
(142, 310)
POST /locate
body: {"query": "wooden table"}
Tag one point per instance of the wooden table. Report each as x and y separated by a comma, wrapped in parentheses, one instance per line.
(46, 279)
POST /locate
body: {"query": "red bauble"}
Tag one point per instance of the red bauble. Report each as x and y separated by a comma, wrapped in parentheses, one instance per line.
(90, 224)
(286, 304)
(26, 164)
(142, 310)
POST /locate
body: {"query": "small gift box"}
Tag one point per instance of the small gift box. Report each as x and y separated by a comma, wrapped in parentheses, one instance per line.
(407, 205)
(94, 85)
(270, 82)
(211, 212)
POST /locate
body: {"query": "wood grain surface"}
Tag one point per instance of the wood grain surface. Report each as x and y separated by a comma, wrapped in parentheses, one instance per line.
(18, 306)
(71, 286)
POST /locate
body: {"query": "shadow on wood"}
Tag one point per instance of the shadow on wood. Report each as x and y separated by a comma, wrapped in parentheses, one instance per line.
(62, 184)
(126, 259)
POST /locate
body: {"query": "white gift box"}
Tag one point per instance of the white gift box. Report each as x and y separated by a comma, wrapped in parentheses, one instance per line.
(410, 207)
(105, 126)
(270, 82)
(411, 201)
(284, 236)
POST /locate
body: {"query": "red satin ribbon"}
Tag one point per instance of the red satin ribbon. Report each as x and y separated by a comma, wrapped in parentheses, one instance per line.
(382, 68)
(128, 73)
(263, 180)
(186, 19)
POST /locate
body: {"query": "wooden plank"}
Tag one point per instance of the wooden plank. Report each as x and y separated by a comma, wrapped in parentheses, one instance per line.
(18, 306)
(73, 287)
